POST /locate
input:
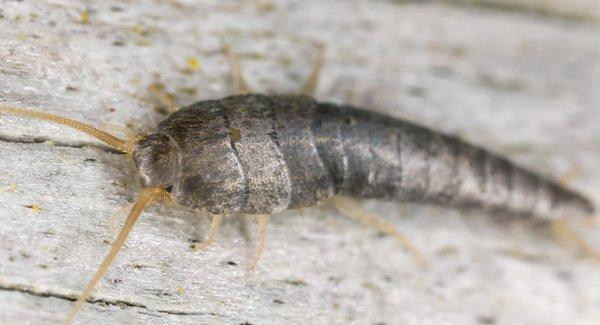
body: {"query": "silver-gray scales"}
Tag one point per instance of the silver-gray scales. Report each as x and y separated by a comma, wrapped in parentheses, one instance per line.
(256, 154)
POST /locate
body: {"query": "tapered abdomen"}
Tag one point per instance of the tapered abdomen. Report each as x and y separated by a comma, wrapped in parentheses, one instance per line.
(259, 154)
(373, 156)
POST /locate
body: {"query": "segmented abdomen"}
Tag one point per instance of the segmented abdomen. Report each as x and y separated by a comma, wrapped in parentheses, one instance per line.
(259, 154)
(374, 156)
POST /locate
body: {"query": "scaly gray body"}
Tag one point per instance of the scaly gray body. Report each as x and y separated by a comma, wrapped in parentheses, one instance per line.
(257, 154)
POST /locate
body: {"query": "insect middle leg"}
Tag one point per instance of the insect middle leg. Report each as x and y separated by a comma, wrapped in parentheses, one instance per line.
(262, 232)
(212, 233)
(353, 210)
(262, 221)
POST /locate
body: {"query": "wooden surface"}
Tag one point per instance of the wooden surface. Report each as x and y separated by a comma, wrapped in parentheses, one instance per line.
(514, 81)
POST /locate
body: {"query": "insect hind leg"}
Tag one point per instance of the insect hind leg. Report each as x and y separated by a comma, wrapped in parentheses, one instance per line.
(564, 230)
(352, 209)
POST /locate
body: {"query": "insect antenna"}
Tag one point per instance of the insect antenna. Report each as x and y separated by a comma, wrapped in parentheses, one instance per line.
(105, 137)
(145, 198)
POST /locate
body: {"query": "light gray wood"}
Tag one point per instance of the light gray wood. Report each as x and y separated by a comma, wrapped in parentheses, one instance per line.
(520, 84)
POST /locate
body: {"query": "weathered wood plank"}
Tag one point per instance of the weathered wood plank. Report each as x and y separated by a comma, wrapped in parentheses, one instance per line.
(575, 10)
(520, 84)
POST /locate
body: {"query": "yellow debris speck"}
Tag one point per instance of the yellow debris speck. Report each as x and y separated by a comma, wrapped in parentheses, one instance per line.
(84, 17)
(9, 188)
(21, 36)
(180, 290)
(35, 208)
(140, 29)
(193, 64)
(142, 43)
(266, 6)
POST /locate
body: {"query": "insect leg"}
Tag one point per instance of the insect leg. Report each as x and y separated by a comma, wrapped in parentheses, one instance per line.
(212, 233)
(112, 228)
(262, 231)
(563, 230)
(164, 98)
(125, 130)
(353, 210)
(311, 83)
(238, 77)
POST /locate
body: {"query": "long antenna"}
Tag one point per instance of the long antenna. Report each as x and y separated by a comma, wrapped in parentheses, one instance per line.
(146, 196)
(105, 137)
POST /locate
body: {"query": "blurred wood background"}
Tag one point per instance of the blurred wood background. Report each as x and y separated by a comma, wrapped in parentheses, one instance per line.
(517, 76)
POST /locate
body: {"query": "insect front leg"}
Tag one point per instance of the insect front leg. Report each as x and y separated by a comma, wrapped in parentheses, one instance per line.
(112, 223)
(262, 232)
(352, 209)
(125, 130)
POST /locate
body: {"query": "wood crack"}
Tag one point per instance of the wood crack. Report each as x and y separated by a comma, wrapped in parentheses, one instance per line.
(99, 301)
(77, 145)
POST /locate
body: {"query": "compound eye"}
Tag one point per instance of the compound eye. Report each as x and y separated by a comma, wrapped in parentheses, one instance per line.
(169, 188)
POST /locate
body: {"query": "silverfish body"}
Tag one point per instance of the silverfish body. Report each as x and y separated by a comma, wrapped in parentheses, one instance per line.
(256, 154)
